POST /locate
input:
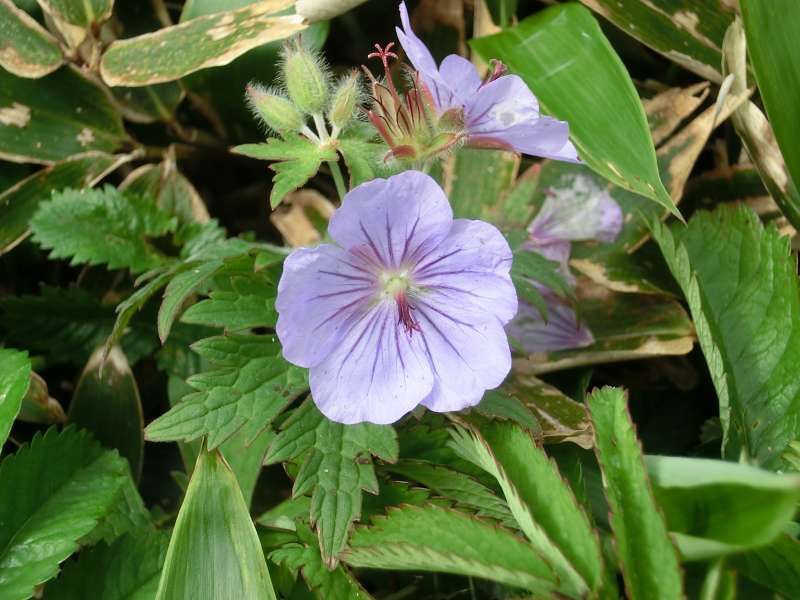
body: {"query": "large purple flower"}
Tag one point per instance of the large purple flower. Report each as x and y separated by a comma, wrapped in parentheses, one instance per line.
(407, 307)
(499, 112)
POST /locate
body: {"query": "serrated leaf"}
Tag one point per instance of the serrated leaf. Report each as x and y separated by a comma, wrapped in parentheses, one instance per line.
(645, 553)
(239, 298)
(298, 159)
(19, 203)
(214, 551)
(28, 50)
(208, 41)
(67, 324)
(250, 385)
(55, 117)
(304, 556)
(52, 493)
(563, 56)
(15, 377)
(106, 402)
(180, 287)
(437, 539)
(364, 158)
(102, 227)
(75, 19)
(457, 486)
(740, 281)
(541, 502)
(335, 468)
(128, 569)
(735, 505)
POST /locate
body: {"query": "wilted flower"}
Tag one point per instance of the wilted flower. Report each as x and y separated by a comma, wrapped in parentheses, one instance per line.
(406, 308)
(559, 330)
(497, 112)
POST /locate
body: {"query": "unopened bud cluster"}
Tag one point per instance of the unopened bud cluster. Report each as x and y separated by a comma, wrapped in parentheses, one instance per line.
(307, 92)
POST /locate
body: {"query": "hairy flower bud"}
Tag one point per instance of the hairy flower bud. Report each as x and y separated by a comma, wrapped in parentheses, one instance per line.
(276, 111)
(306, 78)
(345, 99)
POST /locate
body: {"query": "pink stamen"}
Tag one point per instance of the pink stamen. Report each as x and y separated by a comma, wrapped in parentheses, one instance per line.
(385, 54)
(405, 318)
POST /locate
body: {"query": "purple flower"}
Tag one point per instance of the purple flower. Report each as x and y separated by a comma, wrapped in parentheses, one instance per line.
(500, 112)
(406, 308)
(561, 330)
(581, 212)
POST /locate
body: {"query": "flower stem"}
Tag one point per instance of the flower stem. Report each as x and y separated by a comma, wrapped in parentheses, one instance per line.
(338, 178)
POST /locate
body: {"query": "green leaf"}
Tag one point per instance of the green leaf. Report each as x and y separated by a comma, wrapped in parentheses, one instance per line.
(214, 551)
(29, 50)
(150, 104)
(304, 555)
(208, 41)
(55, 117)
(19, 203)
(647, 557)
(475, 181)
(776, 567)
(542, 503)
(740, 281)
(688, 32)
(771, 29)
(238, 299)
(102, 227)
(52, 493)
(299, 160)
(15, 377)
(67, 324)
(74, 19)
(529, 267)
(563, 56)
(364, 158)
(250, 385)
(335, 467)
(502, 11)
(457, 486)
(624, 326)
(128, 569)
(173, 193)
(437, 539)
(180, 287)
(736, 505)
(106, 402)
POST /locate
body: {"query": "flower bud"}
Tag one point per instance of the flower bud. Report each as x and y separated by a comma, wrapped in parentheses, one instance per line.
(305, 78)
(345, 99)
(276, 111)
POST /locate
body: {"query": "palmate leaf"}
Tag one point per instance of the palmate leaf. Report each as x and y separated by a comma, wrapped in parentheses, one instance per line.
(431, 538)
(214, 551)
(335, 467)
(15, 377)
(541, 502)
(303, 555)
(67, 324)
(248, 387)
(128, 569)
(740, 281)
(102, 227)
(298, 160)
(648, 559)
(52, 493)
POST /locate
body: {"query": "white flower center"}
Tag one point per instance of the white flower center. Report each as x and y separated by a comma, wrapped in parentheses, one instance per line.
(395, 283)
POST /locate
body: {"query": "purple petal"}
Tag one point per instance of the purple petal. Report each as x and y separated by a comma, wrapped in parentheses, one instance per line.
(561, 330)
(582, 211)
(389, 221)
(467, 358)
(505, 112)
(460, 78)
(320, 292)
(467, 276)
(377, 373)
(416, 50)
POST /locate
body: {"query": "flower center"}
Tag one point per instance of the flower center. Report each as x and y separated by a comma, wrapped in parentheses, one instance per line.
(396, 285)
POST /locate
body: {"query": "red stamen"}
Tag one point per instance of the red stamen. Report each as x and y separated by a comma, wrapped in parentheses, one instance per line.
(405, 318)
